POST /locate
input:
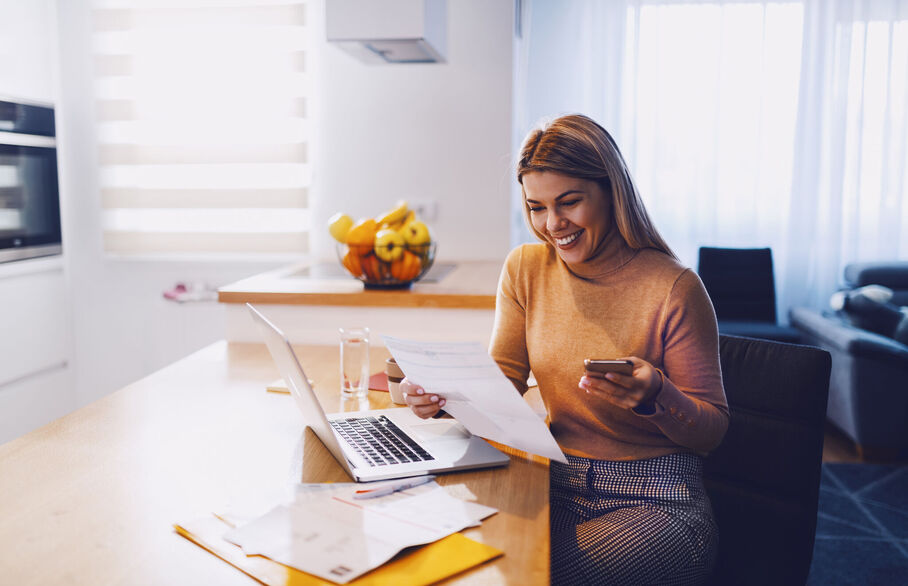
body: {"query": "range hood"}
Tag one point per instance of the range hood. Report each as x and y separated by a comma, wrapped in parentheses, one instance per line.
(389, 31)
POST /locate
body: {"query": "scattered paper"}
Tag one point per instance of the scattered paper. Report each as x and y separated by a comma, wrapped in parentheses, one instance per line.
(327, 533)
(424, 565)
(476, 393)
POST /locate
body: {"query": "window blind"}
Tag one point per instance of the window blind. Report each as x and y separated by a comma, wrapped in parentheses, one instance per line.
(202, 128)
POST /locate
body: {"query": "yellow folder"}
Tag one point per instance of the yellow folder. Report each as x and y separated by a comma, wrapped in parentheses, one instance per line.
(425, 565)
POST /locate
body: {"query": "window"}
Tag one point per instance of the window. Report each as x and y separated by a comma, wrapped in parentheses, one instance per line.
(713, 104)
(202, 128)
(875, 174)
(746, 123)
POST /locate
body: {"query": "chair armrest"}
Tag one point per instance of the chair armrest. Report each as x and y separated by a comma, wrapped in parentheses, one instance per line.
(833, 332)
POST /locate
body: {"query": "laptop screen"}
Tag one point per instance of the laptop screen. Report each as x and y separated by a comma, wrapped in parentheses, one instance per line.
(290, 368)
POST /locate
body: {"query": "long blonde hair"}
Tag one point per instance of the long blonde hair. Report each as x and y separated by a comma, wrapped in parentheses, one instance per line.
(576, 146)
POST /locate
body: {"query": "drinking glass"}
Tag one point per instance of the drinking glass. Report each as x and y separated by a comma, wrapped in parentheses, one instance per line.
(354, 362)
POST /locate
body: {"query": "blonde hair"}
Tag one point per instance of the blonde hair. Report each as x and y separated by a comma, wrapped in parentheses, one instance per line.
(576, 146)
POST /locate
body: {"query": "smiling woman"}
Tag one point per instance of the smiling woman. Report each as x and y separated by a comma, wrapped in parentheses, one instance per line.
(629, 507)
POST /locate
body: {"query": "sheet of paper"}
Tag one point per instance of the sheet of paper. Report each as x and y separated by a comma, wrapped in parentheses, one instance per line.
(325, 532)
(476, 392)
(433, 500)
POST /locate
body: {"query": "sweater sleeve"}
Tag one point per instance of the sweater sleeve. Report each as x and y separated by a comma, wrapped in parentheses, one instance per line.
(691, 408)
(509, 346)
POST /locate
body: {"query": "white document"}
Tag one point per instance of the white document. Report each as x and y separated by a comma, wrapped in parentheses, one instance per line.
(476, 393)
(327, 533)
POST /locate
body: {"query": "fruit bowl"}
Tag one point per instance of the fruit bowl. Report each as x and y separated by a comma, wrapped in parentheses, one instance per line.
(403, 266)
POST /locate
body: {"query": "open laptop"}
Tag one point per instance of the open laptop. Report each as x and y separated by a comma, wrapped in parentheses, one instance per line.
(383, 443)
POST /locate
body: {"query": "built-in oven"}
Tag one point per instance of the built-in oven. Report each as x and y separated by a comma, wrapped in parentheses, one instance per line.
(29, 188)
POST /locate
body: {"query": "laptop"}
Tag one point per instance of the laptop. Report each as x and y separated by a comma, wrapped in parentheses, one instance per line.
(379, 444)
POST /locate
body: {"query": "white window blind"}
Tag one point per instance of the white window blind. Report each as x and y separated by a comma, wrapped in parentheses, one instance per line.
(202, 130)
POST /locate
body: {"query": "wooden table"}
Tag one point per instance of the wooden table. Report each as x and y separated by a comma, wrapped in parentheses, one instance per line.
(455, 301)
(91, 498)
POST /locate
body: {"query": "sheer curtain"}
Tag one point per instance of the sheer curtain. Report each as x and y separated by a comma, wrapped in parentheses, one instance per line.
(726, 113)
(850, 187)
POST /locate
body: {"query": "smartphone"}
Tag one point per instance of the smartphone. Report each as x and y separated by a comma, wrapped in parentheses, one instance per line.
(604, 366)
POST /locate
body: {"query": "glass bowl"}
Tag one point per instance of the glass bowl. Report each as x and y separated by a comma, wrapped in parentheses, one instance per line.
(371, 267)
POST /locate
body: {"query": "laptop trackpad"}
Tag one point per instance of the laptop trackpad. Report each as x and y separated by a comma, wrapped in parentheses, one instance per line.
(439, 430)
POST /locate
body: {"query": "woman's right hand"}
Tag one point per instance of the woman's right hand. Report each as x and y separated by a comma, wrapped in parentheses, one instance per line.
(422, 403)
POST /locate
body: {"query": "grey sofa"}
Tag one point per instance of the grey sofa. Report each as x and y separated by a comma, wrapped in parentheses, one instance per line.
(868, 388)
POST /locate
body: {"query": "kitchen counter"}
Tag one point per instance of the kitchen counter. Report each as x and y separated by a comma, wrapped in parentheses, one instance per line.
(464, 284)
(454, 301)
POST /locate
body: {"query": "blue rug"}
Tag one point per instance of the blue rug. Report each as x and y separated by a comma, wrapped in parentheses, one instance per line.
(862, 526)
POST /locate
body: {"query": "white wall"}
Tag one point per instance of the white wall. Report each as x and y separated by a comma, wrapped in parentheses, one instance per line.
(431, 132)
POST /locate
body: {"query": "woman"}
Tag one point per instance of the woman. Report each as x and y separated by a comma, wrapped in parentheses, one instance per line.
(629, 507)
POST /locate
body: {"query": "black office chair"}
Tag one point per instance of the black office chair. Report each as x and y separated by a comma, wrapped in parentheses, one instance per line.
(741, 285)
(764, 479)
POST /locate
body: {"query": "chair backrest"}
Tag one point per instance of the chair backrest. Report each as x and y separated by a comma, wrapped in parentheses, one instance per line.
(740, 282)
(764, 479)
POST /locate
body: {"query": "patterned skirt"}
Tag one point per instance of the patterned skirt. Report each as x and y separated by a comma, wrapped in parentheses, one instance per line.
(636, 522)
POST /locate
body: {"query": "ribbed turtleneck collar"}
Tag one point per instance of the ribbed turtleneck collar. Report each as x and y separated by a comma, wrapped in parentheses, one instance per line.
(611, 254)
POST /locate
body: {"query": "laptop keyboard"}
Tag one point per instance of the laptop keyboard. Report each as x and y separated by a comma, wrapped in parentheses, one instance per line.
(379, 441)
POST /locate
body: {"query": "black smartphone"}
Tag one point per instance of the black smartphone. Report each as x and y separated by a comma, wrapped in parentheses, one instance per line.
(604, 366)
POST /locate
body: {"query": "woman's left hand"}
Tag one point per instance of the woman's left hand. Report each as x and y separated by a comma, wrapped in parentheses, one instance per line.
(625, 390)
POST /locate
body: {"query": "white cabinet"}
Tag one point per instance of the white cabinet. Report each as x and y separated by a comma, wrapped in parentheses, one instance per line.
(36, 383)
(35, 347)
(27, 49)
(31, 402)
(33, 320)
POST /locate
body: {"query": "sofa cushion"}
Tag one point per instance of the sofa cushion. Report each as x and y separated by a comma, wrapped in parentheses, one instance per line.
(869, 308)
(889, 274)
(831, 331)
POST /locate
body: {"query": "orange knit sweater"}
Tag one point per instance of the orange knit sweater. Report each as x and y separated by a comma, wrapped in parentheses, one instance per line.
(645, 304)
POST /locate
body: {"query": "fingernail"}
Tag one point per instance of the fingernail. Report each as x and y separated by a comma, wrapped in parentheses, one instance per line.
(442, 403)
(610, 376)
(434, 398)
(584, 383)
(419, 391)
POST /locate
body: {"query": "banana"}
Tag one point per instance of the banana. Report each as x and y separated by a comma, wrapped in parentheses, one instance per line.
(411, 215)
(398, 214)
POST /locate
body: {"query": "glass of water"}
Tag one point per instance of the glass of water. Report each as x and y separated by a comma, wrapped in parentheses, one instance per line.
(354, 362)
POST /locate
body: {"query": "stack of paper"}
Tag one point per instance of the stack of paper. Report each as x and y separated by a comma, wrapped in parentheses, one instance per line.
(327, 533)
